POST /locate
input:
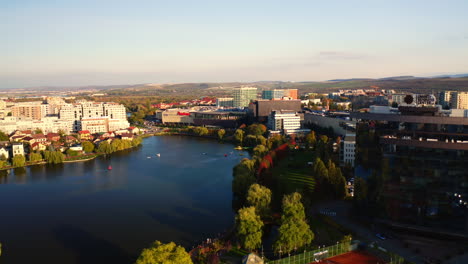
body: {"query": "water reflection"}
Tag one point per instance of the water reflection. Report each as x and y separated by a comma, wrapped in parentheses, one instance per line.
(81, 212)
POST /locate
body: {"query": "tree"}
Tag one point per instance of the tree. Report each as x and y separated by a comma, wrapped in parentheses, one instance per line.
(3, 136)
(319, 171)
(311, 139)
(136, 141)
(87, 146)
(294, 231)
(71, 152)
(117, 145)
(239, 136)
(252, 140)
(394, 104)
(260, 151)
(160, 253)
(18, 161)
(221, 134)
(201, 131)
(243, 177)
(249, 228)
(256, 129)
(105, 147)
(61, 132)
(33, 157)
(337, 180)
(38, 131)
(260, 197)
(54, 157)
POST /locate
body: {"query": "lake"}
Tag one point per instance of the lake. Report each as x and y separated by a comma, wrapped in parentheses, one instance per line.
(84, 213)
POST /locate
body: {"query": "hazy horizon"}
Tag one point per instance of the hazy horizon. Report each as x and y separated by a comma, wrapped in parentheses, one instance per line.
(90, 43)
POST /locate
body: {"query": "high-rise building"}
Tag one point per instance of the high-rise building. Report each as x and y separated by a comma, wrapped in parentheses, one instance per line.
(31, 110)
(459, 100)
(444, 98)
(348, 149)
(418, 155)
(272, 94)
(291, 93)
(244, 95)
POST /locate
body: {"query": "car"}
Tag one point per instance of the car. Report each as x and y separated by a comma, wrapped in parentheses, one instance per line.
(381, 236)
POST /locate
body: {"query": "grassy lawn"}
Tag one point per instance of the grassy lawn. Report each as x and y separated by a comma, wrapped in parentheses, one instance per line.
(292, 174)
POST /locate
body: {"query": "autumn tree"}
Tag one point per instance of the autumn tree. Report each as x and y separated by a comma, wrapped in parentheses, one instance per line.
(239, 136)
(160, 253)
(260, 197)
(221, 134)
(33, 157)
(311, 139)
(249, 228)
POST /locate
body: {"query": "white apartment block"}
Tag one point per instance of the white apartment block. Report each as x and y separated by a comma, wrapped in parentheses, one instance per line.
(115, 111)
(102, 124)
(47, 124)
(348, 149)
(285, 121)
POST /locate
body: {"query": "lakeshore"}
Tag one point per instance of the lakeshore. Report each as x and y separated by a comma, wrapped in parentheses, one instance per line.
(85, 213)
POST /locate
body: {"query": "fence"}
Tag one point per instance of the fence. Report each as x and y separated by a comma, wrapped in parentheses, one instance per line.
(314, 255)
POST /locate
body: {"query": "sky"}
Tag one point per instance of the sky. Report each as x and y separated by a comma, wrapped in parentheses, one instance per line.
(100, 42)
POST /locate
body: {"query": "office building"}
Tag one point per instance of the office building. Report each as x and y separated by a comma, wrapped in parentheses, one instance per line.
(427, 153)
(243, 96)
(225, 102)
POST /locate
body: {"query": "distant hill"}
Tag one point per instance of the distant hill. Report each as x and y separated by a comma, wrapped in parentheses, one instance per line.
(452, 76)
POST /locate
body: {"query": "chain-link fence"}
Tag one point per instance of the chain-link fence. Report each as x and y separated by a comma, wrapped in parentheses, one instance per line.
(315, 255)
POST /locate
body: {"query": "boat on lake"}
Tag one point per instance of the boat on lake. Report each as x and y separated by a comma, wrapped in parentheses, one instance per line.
(158, 155)
(238, 148)
(109, 167)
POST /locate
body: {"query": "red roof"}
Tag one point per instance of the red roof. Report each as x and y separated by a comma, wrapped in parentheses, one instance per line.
(36, 136)
(132, 127)
(84, 132)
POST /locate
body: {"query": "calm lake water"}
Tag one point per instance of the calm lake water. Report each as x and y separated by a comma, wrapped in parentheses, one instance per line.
(83, 213)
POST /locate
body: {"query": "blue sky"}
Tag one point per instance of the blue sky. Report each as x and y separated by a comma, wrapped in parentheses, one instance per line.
(72, 43)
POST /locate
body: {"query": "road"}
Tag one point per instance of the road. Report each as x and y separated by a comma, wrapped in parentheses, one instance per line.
(341, 211)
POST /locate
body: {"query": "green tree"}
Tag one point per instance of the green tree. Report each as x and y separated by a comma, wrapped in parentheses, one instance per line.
(38, 131)
(105, 147)
(252, 141)
(319, 171)
(249, 228)
(221, 134)
(3, 136)
(260, 197)
(136, 141)
(87, 146)
(61, 132)
(160, 253)
(243, 177)
(256, 129)
(336, 180)
(33, 157)
(294, 231)
(117, 145)
(239, 136)
(18, 161)
(71, 152)
(54, 157)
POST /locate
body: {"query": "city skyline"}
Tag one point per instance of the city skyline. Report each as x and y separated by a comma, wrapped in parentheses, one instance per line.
(114, 42)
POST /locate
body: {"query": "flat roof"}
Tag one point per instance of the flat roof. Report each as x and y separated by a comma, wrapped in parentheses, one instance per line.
(443, 120)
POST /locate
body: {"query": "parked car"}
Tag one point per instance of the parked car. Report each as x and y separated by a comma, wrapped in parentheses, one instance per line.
(381, 236)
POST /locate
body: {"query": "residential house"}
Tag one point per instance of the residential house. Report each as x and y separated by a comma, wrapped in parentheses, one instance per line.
(17, 149)
(38, 146)
(85, 135)
(51, 137)
(4, 152)
(70, 139)
(39, 138)
(133, 130)
(126, 136)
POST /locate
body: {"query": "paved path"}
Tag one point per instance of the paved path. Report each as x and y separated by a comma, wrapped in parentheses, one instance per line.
(340, 212)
